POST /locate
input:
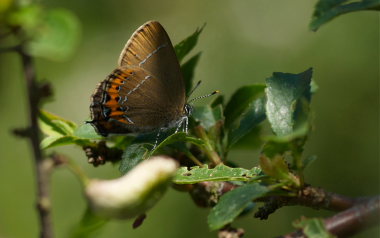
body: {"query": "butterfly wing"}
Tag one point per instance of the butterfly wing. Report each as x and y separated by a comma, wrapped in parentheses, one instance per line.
(151, 49)
(146, 92)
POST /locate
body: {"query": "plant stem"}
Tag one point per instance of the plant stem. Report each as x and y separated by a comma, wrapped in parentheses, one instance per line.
(209, 150)
(42, 171)
(193, 158)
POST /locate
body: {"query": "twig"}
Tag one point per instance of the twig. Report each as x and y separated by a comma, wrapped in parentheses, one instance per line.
(208, 149)
(10, 49)
(350, 221)
(41, 168)
(309, 196)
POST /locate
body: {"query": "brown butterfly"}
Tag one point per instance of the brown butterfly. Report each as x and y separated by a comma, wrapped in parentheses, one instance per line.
(146, 92)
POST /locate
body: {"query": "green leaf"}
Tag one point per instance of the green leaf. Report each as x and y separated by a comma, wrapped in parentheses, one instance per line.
(26, 17)
(219, 173)
(287, 96)
(314, 228)
(86, 131)
(207, 116)
(57, 37)
(52, 141)
(132, 155)
(233, 203)
(326, 10)
(89, 224)
(178, 137)
(219, 100)
(188, 69)
(240, 101)
(309, 160)
(140, 149)
(250, 119)
(53, 125)
(251, 141)
(277, 168)
(185, 46)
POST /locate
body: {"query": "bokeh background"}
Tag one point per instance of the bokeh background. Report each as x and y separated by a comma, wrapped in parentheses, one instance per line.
(243, 43)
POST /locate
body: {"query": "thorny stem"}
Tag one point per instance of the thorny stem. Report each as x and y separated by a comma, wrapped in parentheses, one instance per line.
(42, 174)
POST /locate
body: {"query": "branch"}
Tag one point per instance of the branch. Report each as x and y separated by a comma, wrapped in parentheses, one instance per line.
(204, 196)
(350, 221)
(42, 167)
(309, 196)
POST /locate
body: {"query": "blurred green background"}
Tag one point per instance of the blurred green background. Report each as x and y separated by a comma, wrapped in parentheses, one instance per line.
(243, 43)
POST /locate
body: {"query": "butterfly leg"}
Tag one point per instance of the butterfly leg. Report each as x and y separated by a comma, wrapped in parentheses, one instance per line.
(183, 123)
(157, 137)
(179, 124)
(186, 119)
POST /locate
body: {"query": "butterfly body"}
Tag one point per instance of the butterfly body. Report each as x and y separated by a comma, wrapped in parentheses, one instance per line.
(146, 92)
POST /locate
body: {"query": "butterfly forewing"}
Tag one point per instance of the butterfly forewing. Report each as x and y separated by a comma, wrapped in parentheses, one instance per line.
(151, 49)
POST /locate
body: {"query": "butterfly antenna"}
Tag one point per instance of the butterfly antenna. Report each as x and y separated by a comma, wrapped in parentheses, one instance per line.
(204, 96)
(196, 86)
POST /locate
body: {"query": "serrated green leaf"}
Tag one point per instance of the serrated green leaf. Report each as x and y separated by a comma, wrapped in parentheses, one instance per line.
(240, 101)
(314, 228)
(219, 173)
(132, 156)
(326, 10)
(57, 37)
(53, 125)
(86, 131)
(250, 119)
(89, 224)
(287, 97)
(185, 46)
(188, 69)
(233, 203)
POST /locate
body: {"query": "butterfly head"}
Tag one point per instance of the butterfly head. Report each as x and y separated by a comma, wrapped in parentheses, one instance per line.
(188, 109)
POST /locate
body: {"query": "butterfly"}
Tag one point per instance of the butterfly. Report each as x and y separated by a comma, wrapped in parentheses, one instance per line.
(146, 92)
